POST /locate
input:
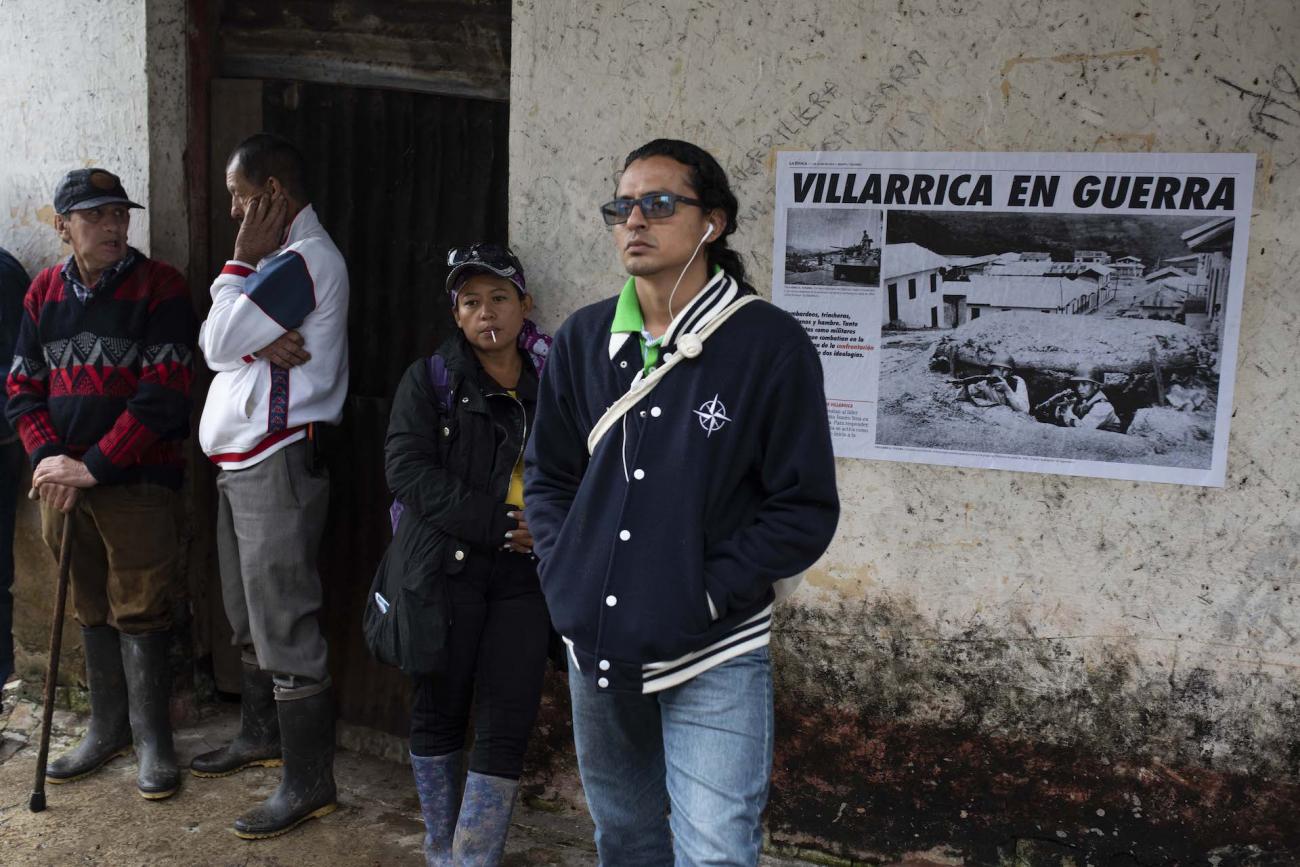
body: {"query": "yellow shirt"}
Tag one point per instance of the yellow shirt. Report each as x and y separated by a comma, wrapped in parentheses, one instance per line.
(515, 494)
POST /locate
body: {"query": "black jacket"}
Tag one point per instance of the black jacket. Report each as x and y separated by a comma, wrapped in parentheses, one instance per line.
(659, 552)
(451, 471)
(13, 286)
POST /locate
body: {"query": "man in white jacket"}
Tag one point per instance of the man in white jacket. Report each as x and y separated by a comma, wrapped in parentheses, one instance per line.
(276, 337)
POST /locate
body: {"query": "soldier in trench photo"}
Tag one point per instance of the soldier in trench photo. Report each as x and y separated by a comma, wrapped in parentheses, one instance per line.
(999, 387)
(1090, 409)
(680, 467)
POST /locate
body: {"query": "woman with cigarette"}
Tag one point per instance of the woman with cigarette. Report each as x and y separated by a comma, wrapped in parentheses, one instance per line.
(454, 458)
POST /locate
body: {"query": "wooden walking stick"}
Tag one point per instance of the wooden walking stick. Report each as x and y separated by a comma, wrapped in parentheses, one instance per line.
(37, 803)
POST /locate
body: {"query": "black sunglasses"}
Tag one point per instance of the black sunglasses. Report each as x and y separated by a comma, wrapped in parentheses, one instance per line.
(653, 206)
(493, 255)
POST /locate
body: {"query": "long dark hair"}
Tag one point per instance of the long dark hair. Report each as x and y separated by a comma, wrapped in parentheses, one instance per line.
(709, 182)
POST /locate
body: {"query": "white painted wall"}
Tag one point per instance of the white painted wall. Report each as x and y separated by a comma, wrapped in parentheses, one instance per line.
(92, 82)
(1083, 601)
(913, 312)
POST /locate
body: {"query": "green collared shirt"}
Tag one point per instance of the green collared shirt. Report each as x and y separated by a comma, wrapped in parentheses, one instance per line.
(628, 318)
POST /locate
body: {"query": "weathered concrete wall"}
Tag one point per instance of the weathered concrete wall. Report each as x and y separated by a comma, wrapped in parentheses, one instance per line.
(983, 654)
(66, 107)
(92, 83)
(86, 82)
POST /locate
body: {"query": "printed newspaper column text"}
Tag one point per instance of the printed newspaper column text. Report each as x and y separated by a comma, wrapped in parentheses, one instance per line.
(836, 335)
(844, 350)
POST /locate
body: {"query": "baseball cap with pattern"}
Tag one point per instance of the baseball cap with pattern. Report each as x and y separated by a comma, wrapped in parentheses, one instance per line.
(82, 189)
(484, 258)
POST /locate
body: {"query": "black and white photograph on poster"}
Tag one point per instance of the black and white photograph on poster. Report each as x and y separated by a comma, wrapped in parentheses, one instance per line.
(833, 247)
(1068, 313)
(1079, 336)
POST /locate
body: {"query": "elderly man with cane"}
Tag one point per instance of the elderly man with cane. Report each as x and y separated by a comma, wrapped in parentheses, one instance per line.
(99, 395)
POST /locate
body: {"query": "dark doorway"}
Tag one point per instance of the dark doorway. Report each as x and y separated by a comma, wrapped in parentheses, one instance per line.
(954, 310)
(893, 303)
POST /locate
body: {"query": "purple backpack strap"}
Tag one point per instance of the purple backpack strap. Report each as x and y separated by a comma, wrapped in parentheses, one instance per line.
(441, 381)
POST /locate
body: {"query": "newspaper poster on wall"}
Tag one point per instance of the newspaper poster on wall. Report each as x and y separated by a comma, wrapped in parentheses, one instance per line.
(1055, 313)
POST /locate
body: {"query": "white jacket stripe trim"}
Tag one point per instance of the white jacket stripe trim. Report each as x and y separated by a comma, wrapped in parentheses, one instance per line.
(681, 676)
(759, 622)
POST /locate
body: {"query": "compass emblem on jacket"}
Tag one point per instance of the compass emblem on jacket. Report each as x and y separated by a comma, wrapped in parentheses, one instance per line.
(712, 415)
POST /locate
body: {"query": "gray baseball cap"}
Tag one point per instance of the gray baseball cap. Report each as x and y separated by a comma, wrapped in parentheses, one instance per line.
(82, 189)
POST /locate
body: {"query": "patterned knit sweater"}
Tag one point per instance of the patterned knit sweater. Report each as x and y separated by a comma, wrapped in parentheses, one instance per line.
(107, 381)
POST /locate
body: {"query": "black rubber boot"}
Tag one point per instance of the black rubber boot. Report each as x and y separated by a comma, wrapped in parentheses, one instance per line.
(109, 734)
(148, 688)
(258, 741)
(307, 788)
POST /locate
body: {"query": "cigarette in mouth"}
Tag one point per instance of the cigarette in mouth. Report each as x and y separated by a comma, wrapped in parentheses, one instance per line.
(494, 336)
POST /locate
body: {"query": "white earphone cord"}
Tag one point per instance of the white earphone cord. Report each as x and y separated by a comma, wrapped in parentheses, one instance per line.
(696, 252)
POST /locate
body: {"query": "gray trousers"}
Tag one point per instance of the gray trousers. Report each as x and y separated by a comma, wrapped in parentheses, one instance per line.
(270, 518)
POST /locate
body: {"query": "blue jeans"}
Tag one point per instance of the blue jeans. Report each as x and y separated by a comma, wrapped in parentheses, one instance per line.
(703, 747)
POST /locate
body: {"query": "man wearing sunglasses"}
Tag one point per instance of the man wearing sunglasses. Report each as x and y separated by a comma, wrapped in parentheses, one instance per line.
(276, 337)
(680, 467)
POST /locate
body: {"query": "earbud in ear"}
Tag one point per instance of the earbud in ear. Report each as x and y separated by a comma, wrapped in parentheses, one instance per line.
(709, 231)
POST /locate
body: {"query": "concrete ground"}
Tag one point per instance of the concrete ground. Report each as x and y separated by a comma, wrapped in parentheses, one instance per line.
(101, 820)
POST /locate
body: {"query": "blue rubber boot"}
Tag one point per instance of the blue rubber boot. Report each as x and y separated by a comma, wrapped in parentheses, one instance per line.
(437, 783)
(484, 820)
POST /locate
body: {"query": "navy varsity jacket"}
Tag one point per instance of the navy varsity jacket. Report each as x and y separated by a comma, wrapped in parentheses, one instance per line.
(658, 553)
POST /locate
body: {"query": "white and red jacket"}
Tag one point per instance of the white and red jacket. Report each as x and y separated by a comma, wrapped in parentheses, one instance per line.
(253, 407)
